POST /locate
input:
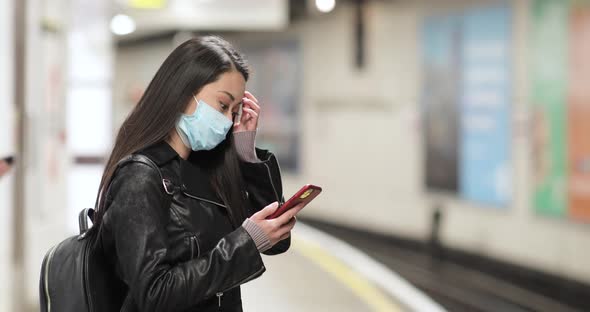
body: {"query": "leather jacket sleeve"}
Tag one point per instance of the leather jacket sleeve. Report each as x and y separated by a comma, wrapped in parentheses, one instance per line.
(137, 218)
(264, 186)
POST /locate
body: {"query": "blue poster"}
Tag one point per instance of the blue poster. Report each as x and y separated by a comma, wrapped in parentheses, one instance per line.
(485, 173)
(439, 101)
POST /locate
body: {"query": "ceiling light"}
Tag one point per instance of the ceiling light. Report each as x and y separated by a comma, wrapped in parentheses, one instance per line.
(325, 6)
(122, 25)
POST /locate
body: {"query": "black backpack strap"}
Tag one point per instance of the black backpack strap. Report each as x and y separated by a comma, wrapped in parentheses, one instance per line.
(88, 213)
(85, 214)
(169, 187)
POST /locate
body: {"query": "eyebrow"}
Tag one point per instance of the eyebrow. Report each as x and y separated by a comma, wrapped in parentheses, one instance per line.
(228, 94)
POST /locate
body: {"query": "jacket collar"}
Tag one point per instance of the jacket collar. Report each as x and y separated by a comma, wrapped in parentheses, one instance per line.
(196, 182)
(160, 153)
(194, 179)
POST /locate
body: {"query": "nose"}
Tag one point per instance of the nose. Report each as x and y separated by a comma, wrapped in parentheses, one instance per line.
(230, 116)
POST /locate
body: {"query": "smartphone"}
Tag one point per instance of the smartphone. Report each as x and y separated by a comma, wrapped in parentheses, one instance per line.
(9, 160)
(305, 195)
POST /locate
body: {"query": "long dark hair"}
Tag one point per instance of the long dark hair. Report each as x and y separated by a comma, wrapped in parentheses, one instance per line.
(192, 65)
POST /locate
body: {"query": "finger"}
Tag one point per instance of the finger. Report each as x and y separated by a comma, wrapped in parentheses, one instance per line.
(267, 211)
(298, 208)
(286, 228)
(251, 104)
(285, 236)
(246, 114)
(251, 112)
(250, 108)
(291, 223)
(289, 214)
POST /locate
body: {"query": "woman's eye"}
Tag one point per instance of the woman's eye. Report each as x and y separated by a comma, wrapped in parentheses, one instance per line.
(224, 107)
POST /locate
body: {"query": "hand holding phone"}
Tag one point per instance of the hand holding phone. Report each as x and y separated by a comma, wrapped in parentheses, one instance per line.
(305, 195)
(277, 229)
(283, 218)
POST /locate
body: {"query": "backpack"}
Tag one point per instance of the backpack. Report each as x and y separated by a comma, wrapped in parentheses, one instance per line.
(76, 276)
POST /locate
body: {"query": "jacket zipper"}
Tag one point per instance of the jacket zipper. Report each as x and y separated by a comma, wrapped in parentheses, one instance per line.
(209, 201)
(272, 184)
(245, 280)
(219, 295)
(203, 199)
(194, 238)
(46, 273)
(257, 273)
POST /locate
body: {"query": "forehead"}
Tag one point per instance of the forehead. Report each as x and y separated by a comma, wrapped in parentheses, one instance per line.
(232, 82)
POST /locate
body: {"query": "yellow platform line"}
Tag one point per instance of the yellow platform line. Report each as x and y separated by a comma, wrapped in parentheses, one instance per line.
(359, 285)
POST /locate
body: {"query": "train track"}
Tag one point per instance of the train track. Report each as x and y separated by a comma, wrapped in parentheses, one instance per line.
(455, 287)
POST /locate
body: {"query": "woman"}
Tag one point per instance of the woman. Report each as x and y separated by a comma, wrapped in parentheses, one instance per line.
(188, 243)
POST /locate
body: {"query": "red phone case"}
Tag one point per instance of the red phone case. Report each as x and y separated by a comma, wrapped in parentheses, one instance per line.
(305, 195)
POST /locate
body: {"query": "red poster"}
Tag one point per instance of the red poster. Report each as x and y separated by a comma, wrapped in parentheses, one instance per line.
(579, 114)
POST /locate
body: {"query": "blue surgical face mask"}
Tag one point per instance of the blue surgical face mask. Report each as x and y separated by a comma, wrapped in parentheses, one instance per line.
(204, 129)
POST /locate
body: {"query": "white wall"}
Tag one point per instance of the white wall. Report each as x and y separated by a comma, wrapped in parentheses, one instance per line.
(362, 141)
(6, 146)
(370, 160)
(134, 69)
(45, 159)
(68, 84)
(88, 102)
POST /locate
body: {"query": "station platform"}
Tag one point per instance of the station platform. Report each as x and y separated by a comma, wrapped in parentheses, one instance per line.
(322, 273)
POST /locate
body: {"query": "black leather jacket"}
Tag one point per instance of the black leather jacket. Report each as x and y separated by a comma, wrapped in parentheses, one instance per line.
(180, 252)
